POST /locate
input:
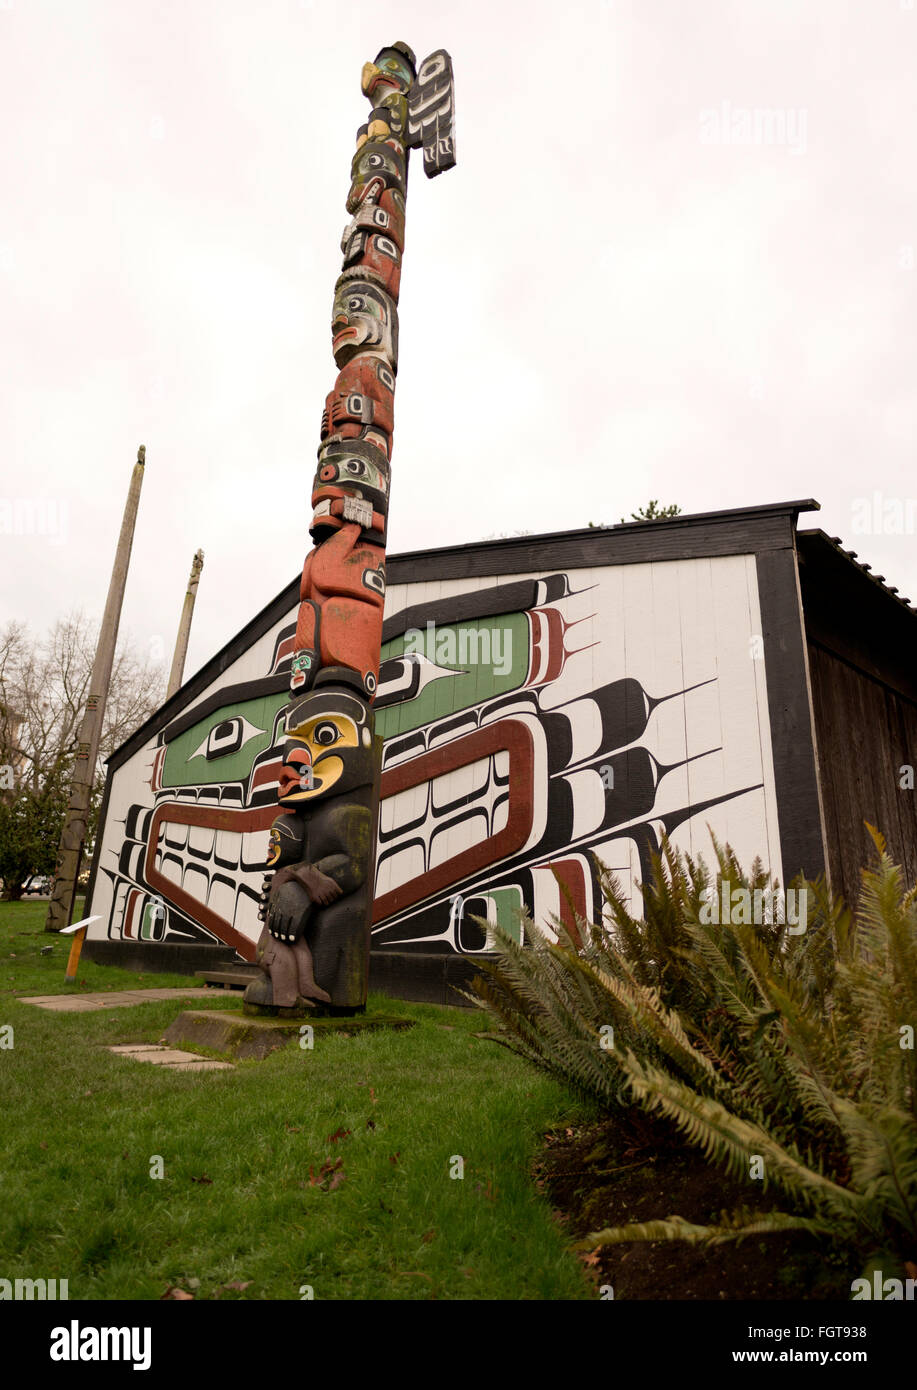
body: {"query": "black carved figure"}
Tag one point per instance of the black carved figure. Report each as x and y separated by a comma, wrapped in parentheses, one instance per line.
(315, 944)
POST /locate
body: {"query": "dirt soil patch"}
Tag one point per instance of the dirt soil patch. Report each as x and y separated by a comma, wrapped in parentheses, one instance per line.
(635, 1168)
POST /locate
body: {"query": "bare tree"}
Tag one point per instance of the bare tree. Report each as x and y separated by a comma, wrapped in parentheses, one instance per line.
(43, 689)
(14, 652)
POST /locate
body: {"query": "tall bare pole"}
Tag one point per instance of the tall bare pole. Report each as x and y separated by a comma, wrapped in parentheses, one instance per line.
(184, 626)
(60, 909)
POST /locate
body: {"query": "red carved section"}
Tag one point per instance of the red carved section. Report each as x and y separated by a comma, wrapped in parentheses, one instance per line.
(339, 580)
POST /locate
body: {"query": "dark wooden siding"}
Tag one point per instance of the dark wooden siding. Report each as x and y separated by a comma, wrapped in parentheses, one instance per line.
(802, 838)
(861, 645)
(866, 731)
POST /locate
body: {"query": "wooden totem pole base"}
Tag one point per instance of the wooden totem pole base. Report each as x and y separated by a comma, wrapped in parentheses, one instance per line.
(304, 1008)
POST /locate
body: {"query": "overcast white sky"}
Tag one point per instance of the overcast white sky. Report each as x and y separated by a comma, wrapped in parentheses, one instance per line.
(612, 297)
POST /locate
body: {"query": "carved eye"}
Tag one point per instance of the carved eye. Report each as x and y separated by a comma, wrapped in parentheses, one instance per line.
(355, 302)
(375, 161)
(354, 466)
(226, 737)
(431, 68)
(325, 734)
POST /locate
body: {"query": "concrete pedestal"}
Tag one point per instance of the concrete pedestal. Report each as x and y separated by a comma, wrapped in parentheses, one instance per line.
(240, 1036)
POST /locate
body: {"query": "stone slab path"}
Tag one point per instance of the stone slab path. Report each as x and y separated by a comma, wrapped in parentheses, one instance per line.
(169, 1057)
(113, 999)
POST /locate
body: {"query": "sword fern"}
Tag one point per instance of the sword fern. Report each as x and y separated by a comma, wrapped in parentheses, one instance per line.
(754, 1043)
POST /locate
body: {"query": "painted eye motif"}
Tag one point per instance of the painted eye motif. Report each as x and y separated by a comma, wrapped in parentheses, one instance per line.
(325, 734)
(354, 466)
(355, 302)
(227, 737)
(375, 580)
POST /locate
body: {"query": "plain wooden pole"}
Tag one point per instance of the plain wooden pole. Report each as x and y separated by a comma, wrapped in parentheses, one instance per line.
(184, 626)
(60, 909)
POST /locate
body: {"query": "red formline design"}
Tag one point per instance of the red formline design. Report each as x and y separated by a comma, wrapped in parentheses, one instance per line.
(508, 735)
(213, 818)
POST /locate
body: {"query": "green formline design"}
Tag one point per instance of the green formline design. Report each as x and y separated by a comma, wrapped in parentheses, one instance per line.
(502, 642)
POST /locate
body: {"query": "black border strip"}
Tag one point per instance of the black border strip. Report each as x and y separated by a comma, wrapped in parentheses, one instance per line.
(226, 695)
(480, 603)
(738, 532)
(793, 747)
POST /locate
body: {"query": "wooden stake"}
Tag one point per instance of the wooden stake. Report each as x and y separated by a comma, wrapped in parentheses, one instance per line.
(73, 959)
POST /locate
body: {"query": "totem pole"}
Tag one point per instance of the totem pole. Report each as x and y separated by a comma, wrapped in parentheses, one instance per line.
(317, 895)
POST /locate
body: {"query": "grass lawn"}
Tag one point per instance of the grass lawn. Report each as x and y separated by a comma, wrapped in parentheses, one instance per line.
(23, 970)
(328, 1168)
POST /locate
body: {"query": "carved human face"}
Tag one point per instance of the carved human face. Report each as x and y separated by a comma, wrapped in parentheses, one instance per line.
(286, 841)
(300, 669)
(364, 318)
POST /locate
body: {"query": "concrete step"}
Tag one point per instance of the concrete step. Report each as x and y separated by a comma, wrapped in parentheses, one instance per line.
(173, 1058)
(110, 999)
(239, 1036)
(236, 978)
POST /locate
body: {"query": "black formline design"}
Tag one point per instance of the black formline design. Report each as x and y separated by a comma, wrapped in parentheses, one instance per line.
(766, 532)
